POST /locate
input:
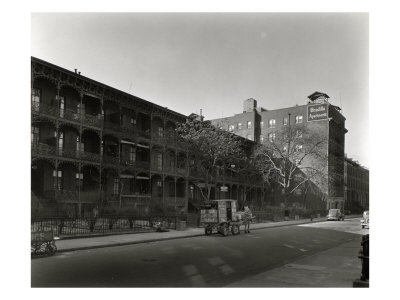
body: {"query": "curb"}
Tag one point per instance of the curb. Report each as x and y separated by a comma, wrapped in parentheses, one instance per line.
(129, 243)
(173, 238)
(116, 233)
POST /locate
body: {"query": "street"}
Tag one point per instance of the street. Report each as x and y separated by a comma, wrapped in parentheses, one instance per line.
(207, 261)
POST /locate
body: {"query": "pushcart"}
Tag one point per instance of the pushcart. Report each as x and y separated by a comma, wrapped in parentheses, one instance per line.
(221, 216)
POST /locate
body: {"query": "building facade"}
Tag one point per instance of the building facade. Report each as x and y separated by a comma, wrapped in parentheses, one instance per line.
(317, 116)
(356, 179)
(96, 148)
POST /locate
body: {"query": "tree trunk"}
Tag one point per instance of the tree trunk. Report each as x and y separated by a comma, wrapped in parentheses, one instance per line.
(285, 196)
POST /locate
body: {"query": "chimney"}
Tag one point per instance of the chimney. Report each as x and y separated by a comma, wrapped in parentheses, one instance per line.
(249, 105)
(75, 70)
(201, 114)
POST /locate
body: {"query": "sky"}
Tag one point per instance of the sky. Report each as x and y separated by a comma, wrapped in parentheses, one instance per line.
(215, 61)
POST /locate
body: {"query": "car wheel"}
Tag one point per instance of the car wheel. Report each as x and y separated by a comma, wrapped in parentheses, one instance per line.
(235, 230)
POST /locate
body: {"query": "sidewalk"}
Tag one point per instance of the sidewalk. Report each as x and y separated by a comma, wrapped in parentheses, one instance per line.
(64, 245)
(335, 267)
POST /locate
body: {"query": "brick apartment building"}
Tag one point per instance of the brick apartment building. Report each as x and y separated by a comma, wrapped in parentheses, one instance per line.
(356, 187)
(93, 145)
(318, 115)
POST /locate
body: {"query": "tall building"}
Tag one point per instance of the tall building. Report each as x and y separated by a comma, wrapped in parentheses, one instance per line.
(95, 147)
(318, 116)
(356, 178)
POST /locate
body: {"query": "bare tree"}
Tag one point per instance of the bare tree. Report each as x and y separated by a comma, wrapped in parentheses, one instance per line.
(214, 148)
(291, 157)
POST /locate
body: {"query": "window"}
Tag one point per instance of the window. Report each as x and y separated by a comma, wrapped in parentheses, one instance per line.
(249, 137)
(132, 154)
(81, 108)
(159, 161)
(159, 183)
(116, 186)
(261, 138)
(160, 131)
(285, 121)
(61, 106)
(133, 121)
(272, 123)
(60, 141)
(271, 137)
(79, 181)
(299, 119)
(172, 163)
(57, 180)
(262, 124)
(231, 128)
(299, 133)
(239, 126)
(35, 99)
(248, 124)
(34, 135)
(80, 147)
(192, 162)
(298, 148)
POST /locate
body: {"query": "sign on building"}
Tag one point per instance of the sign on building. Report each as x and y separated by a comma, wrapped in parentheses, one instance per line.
(224, 188)
(317, 112)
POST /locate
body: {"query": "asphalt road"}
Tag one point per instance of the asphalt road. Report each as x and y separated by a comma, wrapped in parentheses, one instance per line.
(205, 261)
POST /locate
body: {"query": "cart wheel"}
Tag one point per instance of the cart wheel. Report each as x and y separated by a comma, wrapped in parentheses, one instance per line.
(51, 249)
(235, 230)
(225, 230)
(208, 230)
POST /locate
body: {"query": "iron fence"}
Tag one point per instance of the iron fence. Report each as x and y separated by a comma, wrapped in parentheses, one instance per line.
(108, 224)
(71, 227)
(93, 120)
(44, 109)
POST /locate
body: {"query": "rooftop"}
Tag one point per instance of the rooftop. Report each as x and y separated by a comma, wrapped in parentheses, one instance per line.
(316, 95)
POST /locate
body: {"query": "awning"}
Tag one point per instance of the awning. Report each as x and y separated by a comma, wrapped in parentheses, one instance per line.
(126, 176)
(142, 177)
(127, 142)
(143, 146)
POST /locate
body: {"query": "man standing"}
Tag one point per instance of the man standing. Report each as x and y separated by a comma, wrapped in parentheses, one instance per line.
(247, 219)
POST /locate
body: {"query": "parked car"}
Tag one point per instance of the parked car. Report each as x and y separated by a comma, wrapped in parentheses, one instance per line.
(365, 219)
(335, 214)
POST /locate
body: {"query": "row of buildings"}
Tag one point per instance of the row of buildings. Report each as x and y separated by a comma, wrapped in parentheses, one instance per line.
(356, 186)
(95, 147)
(318, 116)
